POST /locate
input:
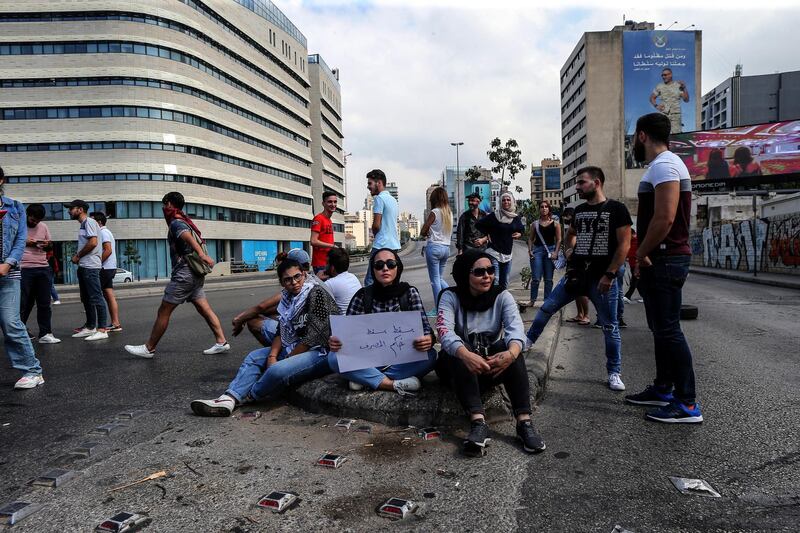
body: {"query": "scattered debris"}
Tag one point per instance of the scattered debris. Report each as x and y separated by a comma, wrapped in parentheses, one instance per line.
(151, 477)
(397, 508)
(344, 424)
(278, 501)
(430, 494)
(445, 473)
(163, 490)
(54, 478)
(369, 445)
(620, 529)
(192, 469)
(13, 512)
(458, 485)
(107, 429)
(6, 424)
(250, 415)
(364, 429)
(698, 487)
(124, 523)
(197, 443)
(429, 433)
(330, 460)
(129, 415)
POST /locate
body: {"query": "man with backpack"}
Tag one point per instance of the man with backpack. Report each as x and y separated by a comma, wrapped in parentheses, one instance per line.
(190, 264)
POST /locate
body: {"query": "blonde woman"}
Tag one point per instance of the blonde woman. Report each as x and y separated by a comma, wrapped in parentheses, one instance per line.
(437, 228)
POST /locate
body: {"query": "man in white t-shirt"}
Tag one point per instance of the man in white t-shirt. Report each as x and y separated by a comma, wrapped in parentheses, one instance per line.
(109, 258)
(341, 284)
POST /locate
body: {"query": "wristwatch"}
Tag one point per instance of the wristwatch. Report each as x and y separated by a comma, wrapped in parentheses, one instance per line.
(610, 275)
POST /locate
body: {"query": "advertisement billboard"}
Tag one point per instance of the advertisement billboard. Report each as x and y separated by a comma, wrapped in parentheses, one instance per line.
(261, 253)
(659, 75)
(484, 188)
(743, 156)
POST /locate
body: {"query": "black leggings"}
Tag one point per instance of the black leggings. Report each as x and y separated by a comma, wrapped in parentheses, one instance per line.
(632, 287)
(469, 386)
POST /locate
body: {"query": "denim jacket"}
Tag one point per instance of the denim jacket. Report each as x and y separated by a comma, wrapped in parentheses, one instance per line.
(15, 231)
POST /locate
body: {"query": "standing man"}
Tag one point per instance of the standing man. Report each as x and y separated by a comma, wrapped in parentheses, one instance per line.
(184, 285)
(322, 232)
(468, 237)
(671, 93)
(597, 244)
(665, 204)
(13, 234)
(384, 217)
(88, 259)
(109, 258)
(37, 277)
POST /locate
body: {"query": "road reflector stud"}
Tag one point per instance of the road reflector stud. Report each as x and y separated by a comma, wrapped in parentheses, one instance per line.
(54, 478)
(129, 415)
(107, 429)
(13, 512)
(124, 523)
(330, 460)
(429, 433)
(278, 501)
(397, 508)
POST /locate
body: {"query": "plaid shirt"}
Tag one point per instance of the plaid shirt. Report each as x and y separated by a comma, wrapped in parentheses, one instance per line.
(391, 306)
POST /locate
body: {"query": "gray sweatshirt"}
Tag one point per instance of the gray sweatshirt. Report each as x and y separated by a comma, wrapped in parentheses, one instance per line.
(504, 315)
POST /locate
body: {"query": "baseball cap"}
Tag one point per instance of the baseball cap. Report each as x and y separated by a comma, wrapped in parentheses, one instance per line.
(78, 203)
(299, 255)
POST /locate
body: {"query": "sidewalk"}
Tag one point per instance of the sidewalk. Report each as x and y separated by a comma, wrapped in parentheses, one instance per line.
(787, 281)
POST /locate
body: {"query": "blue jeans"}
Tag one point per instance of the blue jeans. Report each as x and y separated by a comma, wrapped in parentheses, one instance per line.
(53, 291)
(606, 306)
(541, 267)
(621, 291)
(502, 273)
(372, 377)
(436, 256)
(92, 297)
(18, 344)
(661, 288)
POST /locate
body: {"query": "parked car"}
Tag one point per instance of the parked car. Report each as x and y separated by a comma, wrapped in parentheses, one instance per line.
(123, 276)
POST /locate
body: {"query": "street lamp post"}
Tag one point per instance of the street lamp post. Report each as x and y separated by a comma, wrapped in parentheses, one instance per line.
(458, 192)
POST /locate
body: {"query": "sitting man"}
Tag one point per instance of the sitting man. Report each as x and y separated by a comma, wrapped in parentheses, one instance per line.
(338, 280)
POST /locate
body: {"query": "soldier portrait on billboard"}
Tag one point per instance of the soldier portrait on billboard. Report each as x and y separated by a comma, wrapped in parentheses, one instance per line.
(666, 98)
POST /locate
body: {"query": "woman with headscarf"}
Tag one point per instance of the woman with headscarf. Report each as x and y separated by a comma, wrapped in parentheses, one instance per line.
(481, 332)
(502, 226)
(387, 295)
(298, 351)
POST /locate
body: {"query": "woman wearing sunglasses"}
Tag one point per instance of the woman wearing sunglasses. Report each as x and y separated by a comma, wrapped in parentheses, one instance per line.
(299, 348)
(481, 331)
(386, 295)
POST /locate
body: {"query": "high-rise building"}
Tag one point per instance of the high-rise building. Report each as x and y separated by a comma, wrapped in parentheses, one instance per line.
(745, 100)
(546, 182)
(394, 190)
(212, 98)
(599, 106)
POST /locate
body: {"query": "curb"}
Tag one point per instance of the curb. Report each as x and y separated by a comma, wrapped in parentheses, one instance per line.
(748, 278)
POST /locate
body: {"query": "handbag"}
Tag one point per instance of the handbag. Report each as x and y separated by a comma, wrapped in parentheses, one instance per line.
(560, 261)
(196, 264)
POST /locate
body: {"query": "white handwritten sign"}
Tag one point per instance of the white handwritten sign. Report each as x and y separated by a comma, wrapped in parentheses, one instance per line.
(377, 339)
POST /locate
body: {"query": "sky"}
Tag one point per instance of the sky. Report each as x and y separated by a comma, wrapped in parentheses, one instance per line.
(418, 75)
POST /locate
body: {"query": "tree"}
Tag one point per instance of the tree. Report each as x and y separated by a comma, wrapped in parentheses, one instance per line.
(506, 158)
(473, 174)
(133, 259)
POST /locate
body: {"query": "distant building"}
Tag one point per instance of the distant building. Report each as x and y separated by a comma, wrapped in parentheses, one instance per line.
(546, 182)
(394, 190)
(357, 228)
(408, 222)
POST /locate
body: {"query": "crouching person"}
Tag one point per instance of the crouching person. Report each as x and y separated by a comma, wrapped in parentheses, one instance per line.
(299, 345)
(481, 332)
(388, 294)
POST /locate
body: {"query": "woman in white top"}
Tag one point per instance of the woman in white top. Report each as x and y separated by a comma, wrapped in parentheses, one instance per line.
(437, 228)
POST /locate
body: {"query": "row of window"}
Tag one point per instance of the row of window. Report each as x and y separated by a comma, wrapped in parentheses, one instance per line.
(574, 165)
(574, 148)
(572, 115)
(331, 109)
(574, 97)
(331, 125)
(574, 131)
(177, 178)
(572, 63)
(269, 11)
(135, 210)
(331, 141)
(128, 47)
(134, 145)
(333, 176)
(573, 81)
(170, 86)
(332, 159)
(118, 111)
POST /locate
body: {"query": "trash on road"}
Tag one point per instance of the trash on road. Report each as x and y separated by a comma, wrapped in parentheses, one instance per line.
(619, 529)
(6, 424)
(698, 487)
(151, 477)
(397, 508)
(278, 501)
(129, 415)
(344, 424)
(364, 429)
(250, 415)
(54, 478)
(124, 523)
(330, 460)
(13, 512)
(429, 433)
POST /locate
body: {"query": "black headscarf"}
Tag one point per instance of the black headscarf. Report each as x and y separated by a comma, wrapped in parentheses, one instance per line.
(396, 289)
(461, 272)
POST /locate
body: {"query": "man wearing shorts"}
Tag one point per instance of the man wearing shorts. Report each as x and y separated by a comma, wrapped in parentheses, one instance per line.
(109, 270)
(184, 285)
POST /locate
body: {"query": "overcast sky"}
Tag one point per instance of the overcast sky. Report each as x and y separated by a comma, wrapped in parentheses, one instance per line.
(416, 76)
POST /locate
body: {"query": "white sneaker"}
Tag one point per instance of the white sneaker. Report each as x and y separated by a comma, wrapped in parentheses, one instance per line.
(29, 382)
(222, 406)
(84, 332)
(140, 350)
(355, 386)
(407, 386)
(57, 302)
(627, 300)
(615, 382)
(97, 336)
(218, 348)
(48, 339)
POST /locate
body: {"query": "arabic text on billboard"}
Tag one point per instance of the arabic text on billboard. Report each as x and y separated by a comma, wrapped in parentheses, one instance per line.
(658, 69)
(742, 156)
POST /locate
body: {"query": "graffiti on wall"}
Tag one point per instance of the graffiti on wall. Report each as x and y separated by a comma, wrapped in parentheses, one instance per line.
(774, 246)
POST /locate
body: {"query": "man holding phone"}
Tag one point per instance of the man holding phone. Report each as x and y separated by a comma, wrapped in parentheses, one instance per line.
(37, 277)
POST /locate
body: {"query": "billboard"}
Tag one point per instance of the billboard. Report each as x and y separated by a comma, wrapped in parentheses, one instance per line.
(261, 253)
(744, 156)
(484, 188)
(658, 70)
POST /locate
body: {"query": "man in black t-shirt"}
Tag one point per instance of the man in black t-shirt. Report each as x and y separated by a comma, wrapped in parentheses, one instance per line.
(597, 244)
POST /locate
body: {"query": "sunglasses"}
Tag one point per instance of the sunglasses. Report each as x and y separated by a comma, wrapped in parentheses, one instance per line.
(391, 264)
(481, 271)
(288, 280)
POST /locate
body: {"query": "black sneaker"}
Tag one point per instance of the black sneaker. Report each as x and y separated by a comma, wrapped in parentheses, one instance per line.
(597, 325)
(622, 324)
(676, 413)
(478, 438)
(650, 396)
(532, 442)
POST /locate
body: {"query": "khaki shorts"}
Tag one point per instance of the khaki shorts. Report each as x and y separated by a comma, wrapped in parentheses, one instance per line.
(184, 286)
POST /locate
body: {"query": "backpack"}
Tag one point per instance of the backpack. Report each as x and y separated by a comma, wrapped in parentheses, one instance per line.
(369, 294)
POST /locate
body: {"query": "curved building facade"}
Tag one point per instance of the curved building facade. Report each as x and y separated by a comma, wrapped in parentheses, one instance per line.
(118, 103)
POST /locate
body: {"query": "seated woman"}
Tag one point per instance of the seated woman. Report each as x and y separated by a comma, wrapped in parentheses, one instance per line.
(481, 330)
(388, 294)
(299, 345)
